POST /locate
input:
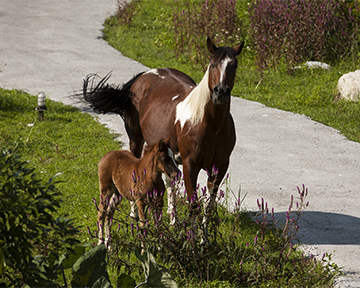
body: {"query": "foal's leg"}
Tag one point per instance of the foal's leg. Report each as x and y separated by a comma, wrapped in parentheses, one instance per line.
(107, 190)
(113, 203)
(171, 195)
(104, 192)
(141, 207)
(134, 210)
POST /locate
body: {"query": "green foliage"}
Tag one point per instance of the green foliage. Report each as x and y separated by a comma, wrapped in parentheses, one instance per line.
(90, 269)
(26, 212)
(239, 251)
(68, 143)
(155, 274)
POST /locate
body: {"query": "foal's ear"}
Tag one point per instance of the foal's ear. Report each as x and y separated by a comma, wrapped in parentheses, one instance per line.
(239, 48)
(210, 45)
(161, 145)
(164, 144)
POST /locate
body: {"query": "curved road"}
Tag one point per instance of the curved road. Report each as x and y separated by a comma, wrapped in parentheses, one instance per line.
(49, 46)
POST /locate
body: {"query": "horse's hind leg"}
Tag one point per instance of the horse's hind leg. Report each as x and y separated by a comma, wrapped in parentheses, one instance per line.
(106, 197)
(113, 203)
(133, 130)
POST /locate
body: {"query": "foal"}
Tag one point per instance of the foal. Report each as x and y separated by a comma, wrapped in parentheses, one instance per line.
(120, 172)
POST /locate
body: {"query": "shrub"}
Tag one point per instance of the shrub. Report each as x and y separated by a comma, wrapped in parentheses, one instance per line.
(296, 31)
(230, 257)
(27, 226)
(125, 11)
(217, 19)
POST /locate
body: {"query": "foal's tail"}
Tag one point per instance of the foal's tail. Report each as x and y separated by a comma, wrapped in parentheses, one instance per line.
(104, 98)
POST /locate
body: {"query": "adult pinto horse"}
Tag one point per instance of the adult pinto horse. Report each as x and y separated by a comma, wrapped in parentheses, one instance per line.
(163, 103)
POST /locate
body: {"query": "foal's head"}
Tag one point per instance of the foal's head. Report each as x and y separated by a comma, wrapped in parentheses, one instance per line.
(222, 70)
(164, 159)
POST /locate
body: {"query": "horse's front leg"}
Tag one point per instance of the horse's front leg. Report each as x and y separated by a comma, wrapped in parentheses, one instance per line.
(215, 177)
(191, 171)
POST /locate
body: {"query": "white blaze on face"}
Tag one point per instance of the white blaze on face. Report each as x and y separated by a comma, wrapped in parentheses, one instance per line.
(224, 64)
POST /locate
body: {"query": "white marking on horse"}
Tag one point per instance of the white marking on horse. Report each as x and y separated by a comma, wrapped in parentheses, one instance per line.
(175, 97)
(224, 64)
(193, 107)
(171, 155)
(156, 72)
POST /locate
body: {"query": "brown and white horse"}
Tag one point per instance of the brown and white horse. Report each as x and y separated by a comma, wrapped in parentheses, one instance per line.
(121, 173)
(163, 103)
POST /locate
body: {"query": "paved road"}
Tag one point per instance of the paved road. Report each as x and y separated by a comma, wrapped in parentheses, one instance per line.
(49, 46)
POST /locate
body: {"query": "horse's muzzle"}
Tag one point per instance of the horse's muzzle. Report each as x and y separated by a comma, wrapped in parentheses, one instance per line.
(220, 94)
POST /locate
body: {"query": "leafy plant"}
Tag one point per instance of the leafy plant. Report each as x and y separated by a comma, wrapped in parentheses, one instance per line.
(26, 211)
(229, 255)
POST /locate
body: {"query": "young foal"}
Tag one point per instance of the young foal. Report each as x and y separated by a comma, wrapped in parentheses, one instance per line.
(120, 172)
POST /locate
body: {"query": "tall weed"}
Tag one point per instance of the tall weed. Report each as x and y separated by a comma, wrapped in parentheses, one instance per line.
(217, 19)
(231, 255)
(296, 31)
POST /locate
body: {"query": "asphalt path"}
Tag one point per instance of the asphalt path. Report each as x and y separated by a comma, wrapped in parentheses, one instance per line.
(49, 46)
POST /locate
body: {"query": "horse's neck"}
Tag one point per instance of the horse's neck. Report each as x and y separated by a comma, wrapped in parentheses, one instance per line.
(147, 167)
(193, 107)
(217, 115)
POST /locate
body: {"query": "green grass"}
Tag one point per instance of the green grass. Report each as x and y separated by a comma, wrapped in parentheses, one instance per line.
(312, 92)
(68, 143)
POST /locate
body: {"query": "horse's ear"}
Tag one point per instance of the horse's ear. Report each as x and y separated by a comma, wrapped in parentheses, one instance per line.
(239, 48)
(210, 45)
(162, 145)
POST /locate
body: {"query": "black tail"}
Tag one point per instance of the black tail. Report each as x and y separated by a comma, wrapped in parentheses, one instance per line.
(104, 98)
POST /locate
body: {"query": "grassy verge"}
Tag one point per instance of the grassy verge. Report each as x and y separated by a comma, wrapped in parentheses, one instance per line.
(149, 40)
(67, 143)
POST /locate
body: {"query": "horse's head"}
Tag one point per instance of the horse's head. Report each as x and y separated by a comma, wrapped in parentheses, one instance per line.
(222, 70)
(165, 159)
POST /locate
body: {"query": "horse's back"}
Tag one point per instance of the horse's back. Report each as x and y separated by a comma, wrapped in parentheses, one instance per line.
(115, 160)
(159, 91)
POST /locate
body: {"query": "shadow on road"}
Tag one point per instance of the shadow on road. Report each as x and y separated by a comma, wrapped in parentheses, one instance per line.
(321, 228)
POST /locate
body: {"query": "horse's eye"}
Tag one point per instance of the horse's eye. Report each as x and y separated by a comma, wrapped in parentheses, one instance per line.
(212, 66)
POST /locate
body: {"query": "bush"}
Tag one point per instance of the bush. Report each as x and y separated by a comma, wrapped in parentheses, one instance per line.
(217, 19)
(297, 31)
(27, 226)
(229, 257)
